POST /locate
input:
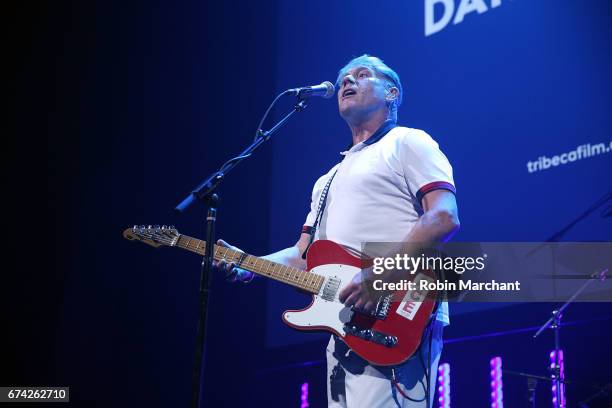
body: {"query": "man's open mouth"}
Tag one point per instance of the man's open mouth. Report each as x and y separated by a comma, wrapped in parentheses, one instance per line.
(348, 92)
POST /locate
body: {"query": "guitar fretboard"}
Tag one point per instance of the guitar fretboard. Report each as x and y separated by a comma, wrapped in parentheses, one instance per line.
(307, 281)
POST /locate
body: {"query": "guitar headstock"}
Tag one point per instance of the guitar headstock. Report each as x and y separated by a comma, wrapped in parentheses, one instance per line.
(153, 235)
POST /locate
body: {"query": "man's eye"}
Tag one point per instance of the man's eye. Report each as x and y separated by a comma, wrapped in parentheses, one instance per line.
(363, 75)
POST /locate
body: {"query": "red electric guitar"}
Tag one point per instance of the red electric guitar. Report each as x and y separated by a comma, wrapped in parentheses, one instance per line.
(389, 336)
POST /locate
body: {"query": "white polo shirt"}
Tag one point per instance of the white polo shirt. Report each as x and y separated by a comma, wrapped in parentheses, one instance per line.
(376, 193)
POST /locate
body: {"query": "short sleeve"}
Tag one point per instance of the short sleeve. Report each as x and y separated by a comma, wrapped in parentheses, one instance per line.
(424, 165)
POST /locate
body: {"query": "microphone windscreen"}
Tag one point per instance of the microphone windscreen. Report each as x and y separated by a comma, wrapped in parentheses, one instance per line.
(330, 89)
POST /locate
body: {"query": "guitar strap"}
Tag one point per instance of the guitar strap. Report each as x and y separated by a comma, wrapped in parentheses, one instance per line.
(320, 210)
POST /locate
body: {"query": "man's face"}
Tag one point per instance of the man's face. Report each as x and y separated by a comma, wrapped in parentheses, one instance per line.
(361, 93)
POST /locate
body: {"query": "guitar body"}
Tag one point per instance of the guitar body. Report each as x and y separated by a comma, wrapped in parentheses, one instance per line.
(389, 338)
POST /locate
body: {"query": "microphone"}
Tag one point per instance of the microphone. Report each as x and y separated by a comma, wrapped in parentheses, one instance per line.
(326, 90)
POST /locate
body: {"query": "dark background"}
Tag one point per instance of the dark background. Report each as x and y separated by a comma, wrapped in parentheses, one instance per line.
(118, 108)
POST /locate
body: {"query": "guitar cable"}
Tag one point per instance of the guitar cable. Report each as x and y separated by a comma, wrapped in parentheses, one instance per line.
(426, 368)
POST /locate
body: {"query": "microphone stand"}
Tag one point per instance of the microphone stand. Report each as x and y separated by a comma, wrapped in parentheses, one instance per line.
(204, 193)
(532, 384)
(555, 323)
(603, 392)
(532, 381)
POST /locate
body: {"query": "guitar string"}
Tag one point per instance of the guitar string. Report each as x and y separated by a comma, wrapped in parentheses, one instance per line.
(312, 282)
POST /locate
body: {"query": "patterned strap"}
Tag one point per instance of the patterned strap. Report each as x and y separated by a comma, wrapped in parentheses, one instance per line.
(320, 210)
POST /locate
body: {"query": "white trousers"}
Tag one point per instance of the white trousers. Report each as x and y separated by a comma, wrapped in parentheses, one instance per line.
(353, 383)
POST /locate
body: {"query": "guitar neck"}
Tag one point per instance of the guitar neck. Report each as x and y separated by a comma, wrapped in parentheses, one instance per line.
(307, 281)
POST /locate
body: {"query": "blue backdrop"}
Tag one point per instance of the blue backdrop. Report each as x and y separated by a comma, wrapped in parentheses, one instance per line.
(121, 107)
(500, 89)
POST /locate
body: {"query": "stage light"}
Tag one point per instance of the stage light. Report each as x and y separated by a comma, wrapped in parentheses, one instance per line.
(304, 397)
(444, 385)
(497, 394)
(557, 366)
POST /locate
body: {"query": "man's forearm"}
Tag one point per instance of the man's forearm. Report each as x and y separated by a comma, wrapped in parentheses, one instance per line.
(433, 228)
(289, 256)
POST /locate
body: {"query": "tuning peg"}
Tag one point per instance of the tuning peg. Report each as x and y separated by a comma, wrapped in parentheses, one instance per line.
(157, 227)
(135, 227)
(142, 227)
(150, 227)
(171, 227)
(164, 227)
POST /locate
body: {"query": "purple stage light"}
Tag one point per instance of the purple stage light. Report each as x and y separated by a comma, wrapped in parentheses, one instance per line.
(497, 394)
(556, 363)
(444, 385)
(304, 397)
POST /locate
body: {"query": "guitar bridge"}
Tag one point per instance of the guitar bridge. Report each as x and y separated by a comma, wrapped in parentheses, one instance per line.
(371, 335)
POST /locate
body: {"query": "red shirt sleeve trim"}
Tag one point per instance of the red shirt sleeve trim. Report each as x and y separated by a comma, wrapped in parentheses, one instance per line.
(436, 185)
(307, 229)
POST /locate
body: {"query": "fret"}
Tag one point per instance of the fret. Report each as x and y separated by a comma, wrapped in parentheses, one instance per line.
(287, 274)
(179, 243)
(248, 260)
(290, 272)
(268, 268)
(274, 270)
(304, 279)
(219, 254)
(240, 260)
(263, 267)
(267, 271)
(290, 277)
(297, 276)
(279, 271)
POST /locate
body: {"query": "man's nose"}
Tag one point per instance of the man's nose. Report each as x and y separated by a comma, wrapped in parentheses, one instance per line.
(348, 79)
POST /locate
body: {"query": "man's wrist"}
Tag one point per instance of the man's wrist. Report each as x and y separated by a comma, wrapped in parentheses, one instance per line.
(245, 276)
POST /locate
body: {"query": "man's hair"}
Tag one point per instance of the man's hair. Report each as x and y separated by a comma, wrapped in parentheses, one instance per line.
(381, 69)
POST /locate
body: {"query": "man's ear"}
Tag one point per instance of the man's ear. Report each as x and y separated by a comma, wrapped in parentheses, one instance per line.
(392, 94)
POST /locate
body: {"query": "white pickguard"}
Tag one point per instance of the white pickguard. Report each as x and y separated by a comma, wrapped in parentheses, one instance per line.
(323, 313)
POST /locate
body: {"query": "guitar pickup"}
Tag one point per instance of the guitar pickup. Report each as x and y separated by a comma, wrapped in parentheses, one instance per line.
(331, 289)
(371, 335)
(382, 307)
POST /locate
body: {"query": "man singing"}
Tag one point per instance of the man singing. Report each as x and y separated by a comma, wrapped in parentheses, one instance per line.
(392, 185)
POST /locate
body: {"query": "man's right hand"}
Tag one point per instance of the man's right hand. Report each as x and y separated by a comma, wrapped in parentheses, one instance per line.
(232, 272)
